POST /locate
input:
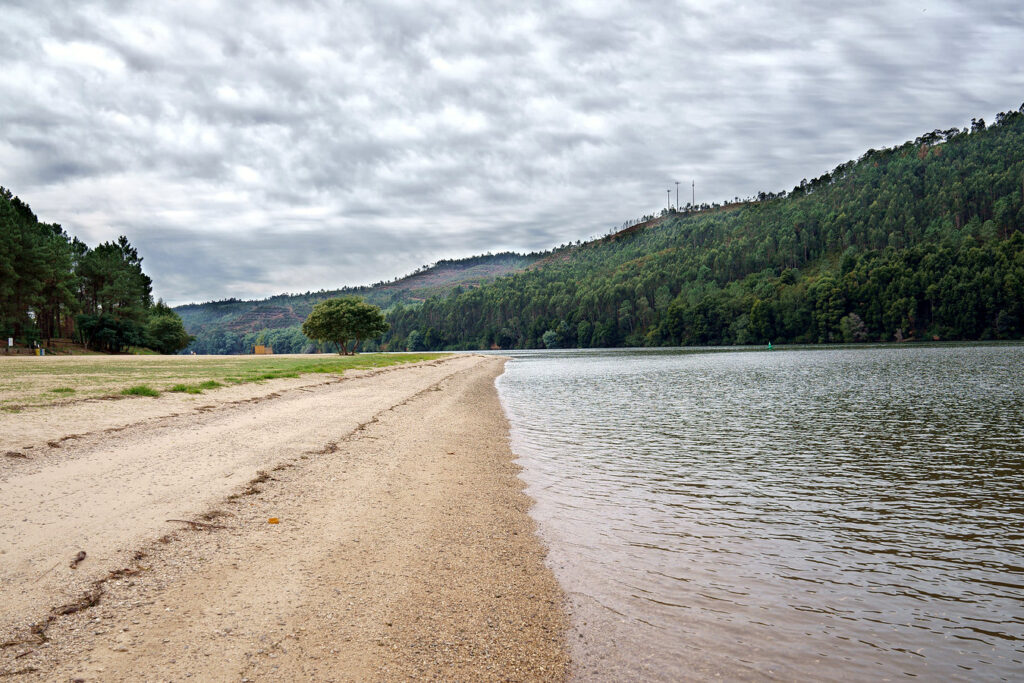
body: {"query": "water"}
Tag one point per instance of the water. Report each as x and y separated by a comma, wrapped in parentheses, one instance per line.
(821, 514)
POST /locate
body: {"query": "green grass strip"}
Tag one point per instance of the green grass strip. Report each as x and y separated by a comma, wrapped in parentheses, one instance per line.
(24, 384)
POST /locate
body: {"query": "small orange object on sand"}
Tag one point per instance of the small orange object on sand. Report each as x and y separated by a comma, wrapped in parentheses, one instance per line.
(273, 520)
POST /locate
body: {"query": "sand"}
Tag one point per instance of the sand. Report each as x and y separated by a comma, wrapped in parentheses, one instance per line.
(403, 547)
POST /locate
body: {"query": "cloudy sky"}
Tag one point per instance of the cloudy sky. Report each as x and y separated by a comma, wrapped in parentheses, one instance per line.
(252, 148)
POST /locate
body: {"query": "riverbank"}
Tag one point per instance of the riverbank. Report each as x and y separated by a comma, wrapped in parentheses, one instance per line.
(402, 546)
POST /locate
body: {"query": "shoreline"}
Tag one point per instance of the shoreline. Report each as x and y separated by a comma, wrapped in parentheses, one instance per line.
(404, 545)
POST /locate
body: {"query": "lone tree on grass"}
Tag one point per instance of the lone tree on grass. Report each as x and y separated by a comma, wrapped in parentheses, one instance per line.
(344, 319)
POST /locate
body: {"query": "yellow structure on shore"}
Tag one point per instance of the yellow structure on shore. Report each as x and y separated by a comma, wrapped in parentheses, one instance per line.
(261, 350)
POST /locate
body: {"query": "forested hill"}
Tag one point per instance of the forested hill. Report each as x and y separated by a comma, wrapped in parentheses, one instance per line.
(234, 326)
(920, 241)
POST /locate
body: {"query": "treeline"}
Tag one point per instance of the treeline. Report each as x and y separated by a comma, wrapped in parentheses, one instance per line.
(224, 341)
(283, 340)
(924, 292)
(919, 241)
(53, 285)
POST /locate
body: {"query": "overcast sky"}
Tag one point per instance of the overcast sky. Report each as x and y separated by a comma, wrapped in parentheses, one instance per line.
(253, 148)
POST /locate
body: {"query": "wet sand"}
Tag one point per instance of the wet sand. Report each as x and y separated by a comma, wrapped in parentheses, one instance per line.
(403, 546)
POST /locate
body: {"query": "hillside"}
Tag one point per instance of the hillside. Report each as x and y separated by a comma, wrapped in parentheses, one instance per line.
(919, 241)
(233, 326)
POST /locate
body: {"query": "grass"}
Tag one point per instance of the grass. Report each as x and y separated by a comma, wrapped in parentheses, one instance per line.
(140, 390)
(195, 388)
(185, 389)
(33, 381)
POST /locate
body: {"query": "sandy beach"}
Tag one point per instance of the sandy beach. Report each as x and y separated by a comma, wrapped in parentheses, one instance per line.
(400, 545)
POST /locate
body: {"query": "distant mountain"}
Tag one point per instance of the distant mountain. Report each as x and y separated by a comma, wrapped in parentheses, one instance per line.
(233, 325)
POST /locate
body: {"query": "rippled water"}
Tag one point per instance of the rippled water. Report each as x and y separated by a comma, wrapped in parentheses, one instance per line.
(822, 514)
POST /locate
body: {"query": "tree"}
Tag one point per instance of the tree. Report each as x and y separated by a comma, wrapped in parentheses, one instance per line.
(342, 319)
(414, 342)
(109, 332)
(431, 340)
(853, 328)
(367, 323)
(165, 331)
(113, 282)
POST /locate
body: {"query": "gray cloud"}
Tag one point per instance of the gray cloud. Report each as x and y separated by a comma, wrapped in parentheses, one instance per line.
(251, 148)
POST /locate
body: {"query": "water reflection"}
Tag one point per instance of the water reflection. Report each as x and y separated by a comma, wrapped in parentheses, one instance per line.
(812, 514)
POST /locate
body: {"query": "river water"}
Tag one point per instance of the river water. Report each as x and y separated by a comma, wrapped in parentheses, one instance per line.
(813, 514)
